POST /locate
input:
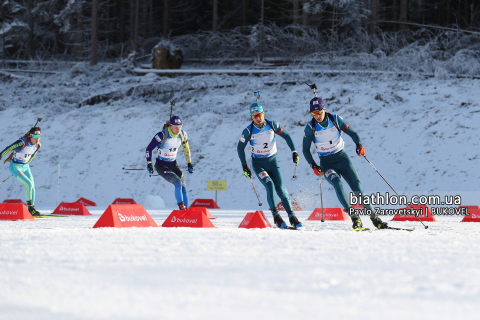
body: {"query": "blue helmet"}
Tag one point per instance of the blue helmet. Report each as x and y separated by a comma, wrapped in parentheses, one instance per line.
(176, 121)
(316, 104)
(256, 108)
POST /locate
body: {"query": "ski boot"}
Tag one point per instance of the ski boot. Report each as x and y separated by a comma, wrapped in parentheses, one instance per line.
(34, 212)
(357, 223)
(379, 224)
(294, 221)
(277, 219)
(181, 206)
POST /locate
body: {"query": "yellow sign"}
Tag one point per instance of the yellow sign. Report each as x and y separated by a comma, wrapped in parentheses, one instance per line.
(214, 185)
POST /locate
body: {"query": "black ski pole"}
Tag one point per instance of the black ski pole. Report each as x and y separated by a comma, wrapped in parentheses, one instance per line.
(426, 227)
(295, 171)
(133, 169)
(153, 175)
(259, 203)
(321, 195)
(312, 86)
(6, 179)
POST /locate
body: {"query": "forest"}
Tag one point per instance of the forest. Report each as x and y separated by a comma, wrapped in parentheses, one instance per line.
(423, 36)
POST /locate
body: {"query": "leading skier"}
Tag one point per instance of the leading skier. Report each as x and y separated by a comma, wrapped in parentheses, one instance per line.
(23, 152)
(325, 132)
(167, 142)
(261, 135)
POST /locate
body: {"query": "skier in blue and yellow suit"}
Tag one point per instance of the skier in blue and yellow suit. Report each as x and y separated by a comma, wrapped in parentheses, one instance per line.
(261, 135)
(167, 142)
(23, 152)
(325, 132)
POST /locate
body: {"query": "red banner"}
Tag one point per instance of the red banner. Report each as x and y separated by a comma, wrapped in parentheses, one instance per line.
(125, 216)
(207, 203)
(71, 208)
(187, 218)
(331, 214)
(14, 211)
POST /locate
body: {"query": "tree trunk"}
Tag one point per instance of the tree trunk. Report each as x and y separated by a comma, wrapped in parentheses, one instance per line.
(122, 21)
(29, 51)
(79, 37)
(165, 30)
(93, 45)
(395, 15)
(244, 2)
(304, 14)
(261, 30)
(215, 15)
(135, 32)
(373, 18)
(403, 14)
(448, 9)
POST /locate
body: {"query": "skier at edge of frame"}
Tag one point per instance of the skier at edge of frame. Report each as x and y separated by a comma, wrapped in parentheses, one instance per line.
(261, 135)
(168, 142)
(334, 161)
(24, 150)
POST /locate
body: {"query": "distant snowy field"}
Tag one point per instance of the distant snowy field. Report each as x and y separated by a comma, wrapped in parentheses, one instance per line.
(421, 134)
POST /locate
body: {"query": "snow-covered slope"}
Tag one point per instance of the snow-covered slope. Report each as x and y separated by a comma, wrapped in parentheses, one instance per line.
(421, 134)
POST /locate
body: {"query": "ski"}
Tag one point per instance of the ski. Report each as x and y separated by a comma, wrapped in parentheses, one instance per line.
(50, 216)
(404, 229)
(360, 229)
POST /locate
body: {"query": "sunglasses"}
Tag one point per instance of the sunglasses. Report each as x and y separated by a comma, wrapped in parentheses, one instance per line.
(257, 115)
(317, 113)
(36, 136)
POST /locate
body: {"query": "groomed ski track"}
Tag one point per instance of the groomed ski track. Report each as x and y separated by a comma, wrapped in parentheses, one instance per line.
(63, 269)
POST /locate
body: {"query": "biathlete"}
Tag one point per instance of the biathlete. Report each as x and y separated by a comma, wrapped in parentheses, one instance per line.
(325, 132)
(261, 135)
(23, 152)
(167, 142)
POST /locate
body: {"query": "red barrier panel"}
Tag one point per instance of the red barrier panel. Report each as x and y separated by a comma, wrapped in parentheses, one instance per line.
(86, 202)
(424, 215)
(474, 214)
(331, 214)
(14, 211)
(202, 209)
(295, 206)
(255, 219)
(187, 218)
(14, 201)
(71, 208)
(207, 203)
(125, 216)
(124, 201)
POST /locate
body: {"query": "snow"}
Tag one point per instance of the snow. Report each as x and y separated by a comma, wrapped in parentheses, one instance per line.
(419, 133)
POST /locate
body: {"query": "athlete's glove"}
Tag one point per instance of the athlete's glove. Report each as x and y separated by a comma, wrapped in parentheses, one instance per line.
(295, 157)
(190, 167)
(360, 150)
(246, 171)
(316, 169)
(149, 168)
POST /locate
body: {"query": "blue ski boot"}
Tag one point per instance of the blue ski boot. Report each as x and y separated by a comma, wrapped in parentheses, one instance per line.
(277, 219)
(294, 221)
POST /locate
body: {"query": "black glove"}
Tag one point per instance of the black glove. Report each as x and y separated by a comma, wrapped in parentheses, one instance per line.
(246, 171)
(316, 169)
(295, 157)
(150, 168)
(190, 167)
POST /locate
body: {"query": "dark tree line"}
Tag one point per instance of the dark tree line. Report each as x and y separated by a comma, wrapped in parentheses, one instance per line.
(109, 29)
